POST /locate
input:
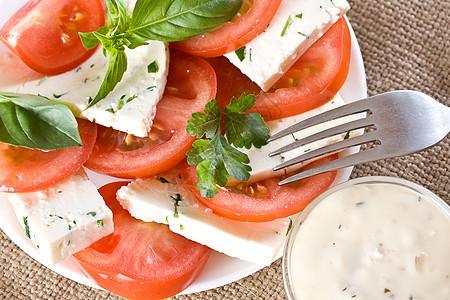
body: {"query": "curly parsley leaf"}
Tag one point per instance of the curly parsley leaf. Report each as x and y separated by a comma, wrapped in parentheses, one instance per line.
(214, 155)
(244, 130)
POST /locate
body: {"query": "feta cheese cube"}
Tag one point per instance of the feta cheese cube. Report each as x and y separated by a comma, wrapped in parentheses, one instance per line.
(157, 200)
(295, 27)
(63, 219)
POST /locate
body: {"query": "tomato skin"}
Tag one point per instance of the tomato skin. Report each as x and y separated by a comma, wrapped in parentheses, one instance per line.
(329, 57)
(44, 33)
(191, 84)
(232, 35)
(12, 70)
(281, 201)
(141, 260)
(27, 170)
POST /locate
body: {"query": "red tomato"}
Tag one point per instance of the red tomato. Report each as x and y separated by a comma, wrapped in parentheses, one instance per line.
(311, 82)
(191, 84)
(13, 70)
(264, 200)
(141, 260)
(44, 33)
(233, 35)
(25, 170)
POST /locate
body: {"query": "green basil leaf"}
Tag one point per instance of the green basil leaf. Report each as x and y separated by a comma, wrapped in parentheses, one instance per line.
(88, 39)
(116, 68)
(36, 122)
(175, 20)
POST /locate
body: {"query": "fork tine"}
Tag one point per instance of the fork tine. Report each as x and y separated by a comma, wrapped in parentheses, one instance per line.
(342, 111)
(353, 125)
(343, 162)
(362, 139)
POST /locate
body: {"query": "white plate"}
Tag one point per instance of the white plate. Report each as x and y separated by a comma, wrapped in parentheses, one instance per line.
(220, 269)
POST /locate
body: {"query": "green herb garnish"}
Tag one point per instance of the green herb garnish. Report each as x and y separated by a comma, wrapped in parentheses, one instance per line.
(177, 198)
(153, 67)
(240, 53)
(36, 122)
(286, 26)
(164, 20)
(213, 154)
(27, 228)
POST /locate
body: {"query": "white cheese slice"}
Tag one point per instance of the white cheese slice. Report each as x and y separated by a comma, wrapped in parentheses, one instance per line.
(296, 25)
(130, 107)
(152, 200)
(63, 219)
(262, 164)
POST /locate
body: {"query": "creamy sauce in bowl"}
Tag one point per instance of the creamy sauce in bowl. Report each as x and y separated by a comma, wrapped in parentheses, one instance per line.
(371, 240)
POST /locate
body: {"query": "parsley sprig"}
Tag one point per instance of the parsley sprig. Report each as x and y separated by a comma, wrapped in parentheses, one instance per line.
(213, 153)
(162, 20)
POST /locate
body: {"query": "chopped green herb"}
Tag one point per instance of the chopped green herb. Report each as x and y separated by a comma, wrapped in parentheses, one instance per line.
(68, 243)
(289, 227)
(99, 223)
(70, 227)
(153, 67)
(167, 219)
(332, 102)
(58, 96)
(299, 16)
(151, 88)
(56, 216)
(177, 199)
(131, 98)
(27, 228)
(295, 139)
(250, 54)
(37, 246)
(42, 80)
(240, 53)
(92, 66)
(181, 227)
(347, 135)
(305, 35)
(163, 180)
(286, 26)
(85, 80)
(306, 150)
(78, 69)
(110, 110)
(92, 213)
(59, 192)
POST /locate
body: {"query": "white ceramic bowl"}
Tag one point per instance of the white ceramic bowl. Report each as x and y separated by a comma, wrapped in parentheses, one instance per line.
(290, 267)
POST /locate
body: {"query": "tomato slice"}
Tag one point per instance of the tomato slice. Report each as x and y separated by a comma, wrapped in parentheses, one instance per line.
(233, 35)
(44, 33)
(264, 200)
(311, 82)
(191, 84)
(12, 70)
(141, 260)
(25, 170)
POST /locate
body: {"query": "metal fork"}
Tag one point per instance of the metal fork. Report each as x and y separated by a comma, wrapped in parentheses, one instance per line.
(405, 122)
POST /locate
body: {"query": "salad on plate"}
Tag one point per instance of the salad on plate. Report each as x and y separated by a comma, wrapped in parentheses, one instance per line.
(167, 107)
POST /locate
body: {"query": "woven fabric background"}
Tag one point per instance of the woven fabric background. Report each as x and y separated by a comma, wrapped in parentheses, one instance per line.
(405, 45)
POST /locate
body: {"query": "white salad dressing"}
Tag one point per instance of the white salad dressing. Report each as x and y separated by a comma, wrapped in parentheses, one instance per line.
(372, 241)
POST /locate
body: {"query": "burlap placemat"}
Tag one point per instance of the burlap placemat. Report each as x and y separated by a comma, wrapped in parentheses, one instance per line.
(405, 45)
